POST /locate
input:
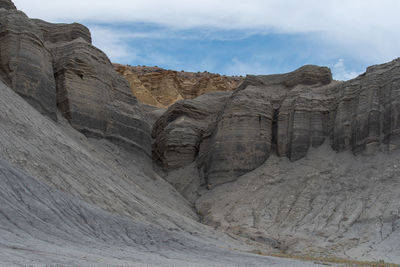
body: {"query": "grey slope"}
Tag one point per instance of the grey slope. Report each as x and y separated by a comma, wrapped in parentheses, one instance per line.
(120, 226)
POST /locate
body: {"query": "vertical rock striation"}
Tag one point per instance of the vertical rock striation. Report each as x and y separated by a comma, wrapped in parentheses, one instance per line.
(56, 66)
(289, 113)
(25, 63)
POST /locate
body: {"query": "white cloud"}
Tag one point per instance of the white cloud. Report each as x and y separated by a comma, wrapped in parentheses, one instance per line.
(367, 29)
(113, 44)
(238, 67)
(341, 73)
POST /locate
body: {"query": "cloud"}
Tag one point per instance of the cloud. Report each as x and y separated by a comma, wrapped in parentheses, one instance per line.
(116, 44)
(113, 44)
(359, 25)
(341, 73)
(366, 29)
(240, 67)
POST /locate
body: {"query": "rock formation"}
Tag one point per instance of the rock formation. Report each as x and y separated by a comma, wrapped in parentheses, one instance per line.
(7, 4)
(268, 156)
(25, 63)
(287, 114)
(161, 88)
(294, 163)
(55, 65)
(179, 131)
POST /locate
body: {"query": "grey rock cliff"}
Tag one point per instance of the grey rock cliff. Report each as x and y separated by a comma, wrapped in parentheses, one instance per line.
(180, 130)
(270, 160)
(94, 98)
(289, 113)
(266, 113)
(25, 63)
(55, 66)
(7, 4)
(62, 32)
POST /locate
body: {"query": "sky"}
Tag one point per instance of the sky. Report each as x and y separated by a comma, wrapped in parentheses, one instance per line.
(235, 37)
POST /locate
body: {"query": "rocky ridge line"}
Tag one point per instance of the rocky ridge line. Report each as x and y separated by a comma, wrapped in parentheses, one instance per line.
(284, 114)
(161, 88)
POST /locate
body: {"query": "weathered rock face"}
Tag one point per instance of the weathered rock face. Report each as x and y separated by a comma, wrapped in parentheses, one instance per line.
(25, 64)
(180, 130)
(256, 119)
(7, 4)
(94, 98)
(63, 32)
(368, 110)
(162, 88)
(269, 158)
(287, 114)
(55, 65)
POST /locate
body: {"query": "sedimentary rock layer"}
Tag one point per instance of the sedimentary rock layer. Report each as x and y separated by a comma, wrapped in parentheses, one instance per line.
(25, 63)
(94, 98)
(159, 87)
(289, 113)
(7, 4)
(180, 130)
(55, 66)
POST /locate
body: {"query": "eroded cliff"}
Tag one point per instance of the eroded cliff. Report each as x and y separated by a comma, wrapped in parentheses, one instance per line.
(296, 160)
(161, 88)
(293, 163)
(55, 66)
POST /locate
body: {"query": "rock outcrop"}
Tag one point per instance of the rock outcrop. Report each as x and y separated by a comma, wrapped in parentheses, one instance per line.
(267, 165)
(180, 130)
(289, 113)
(25, 63)
(94, 98)
(7, 4)
(260, 162)
(161, 88)
(55, 66)
(61, 32)
(367, 114)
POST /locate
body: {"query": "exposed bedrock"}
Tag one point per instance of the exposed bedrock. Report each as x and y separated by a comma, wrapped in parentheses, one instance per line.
(180, 130)
(7, 4)
(368, 110)
(56, 66)
(286, 114)
(25, 64)
(94, 98)
(161, 88)
(61, 32)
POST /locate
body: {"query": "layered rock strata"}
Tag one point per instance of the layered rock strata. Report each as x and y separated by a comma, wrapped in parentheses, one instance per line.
(180, 130)
(162, 88)
(55, 66)
(287, 114)
(25, 63)
(7, 4)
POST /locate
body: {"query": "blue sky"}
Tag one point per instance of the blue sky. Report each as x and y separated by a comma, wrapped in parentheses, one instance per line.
(236, 37)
